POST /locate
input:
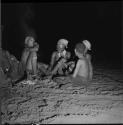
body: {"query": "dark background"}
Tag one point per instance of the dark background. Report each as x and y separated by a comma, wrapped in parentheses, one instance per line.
(99, 22)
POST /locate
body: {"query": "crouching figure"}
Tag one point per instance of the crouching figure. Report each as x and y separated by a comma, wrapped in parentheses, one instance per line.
(29, 57)
(59, 59)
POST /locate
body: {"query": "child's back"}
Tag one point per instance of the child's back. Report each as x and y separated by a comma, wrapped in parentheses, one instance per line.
(25, 55)
(88, 57)
(83, 68)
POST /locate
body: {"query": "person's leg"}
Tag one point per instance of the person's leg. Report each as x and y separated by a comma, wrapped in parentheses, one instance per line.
(58, 68)
(54, 71)
(34, 65)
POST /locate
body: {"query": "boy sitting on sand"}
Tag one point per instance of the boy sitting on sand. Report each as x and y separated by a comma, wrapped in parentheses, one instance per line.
(83, 70)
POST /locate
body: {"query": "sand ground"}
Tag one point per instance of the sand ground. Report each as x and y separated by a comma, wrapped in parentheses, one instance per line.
(49, 102)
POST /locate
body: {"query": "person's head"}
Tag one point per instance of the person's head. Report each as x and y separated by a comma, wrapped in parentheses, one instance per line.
(79, 49)
(29, 41)
(87, 45)
(62, 44)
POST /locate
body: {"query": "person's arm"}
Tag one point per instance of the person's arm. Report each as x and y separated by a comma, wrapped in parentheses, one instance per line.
(91, 71)
(76, 69)
(34, 63)
(52, 59)
(90, 67)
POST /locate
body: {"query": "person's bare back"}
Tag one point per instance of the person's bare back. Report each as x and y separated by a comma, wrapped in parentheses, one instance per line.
(83, 68)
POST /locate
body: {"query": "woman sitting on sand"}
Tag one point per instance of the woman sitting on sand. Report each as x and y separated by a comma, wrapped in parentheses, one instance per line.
(59, 61)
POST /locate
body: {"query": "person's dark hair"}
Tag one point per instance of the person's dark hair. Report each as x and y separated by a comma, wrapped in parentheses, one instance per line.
(80, 47)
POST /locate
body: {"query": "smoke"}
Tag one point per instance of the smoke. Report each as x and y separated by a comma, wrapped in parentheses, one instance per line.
(27, 20)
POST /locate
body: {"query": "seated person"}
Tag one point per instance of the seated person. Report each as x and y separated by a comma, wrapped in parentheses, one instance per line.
(29, 57)
(59, 58)
(10, 66)
(83, 70)
(14, 72)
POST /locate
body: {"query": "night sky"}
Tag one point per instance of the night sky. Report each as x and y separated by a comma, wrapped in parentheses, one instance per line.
(99, 22)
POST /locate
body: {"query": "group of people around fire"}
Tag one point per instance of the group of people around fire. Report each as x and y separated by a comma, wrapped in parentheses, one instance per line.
(61, 63)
